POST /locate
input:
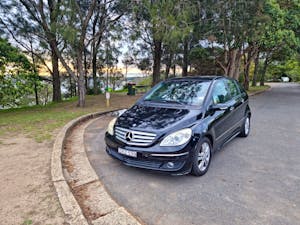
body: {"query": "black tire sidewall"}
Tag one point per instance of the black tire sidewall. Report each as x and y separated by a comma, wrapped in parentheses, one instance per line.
(243, 133)
(195, 169)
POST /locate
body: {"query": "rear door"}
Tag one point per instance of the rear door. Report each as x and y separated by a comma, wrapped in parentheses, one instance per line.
(237, 104)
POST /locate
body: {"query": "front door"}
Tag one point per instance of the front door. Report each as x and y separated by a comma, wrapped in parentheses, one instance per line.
(222, 117)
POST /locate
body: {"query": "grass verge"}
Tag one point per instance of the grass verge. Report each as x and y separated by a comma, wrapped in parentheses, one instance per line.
(255, 89)
(40, 122)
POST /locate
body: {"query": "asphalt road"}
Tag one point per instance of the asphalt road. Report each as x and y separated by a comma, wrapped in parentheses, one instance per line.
(250, 181)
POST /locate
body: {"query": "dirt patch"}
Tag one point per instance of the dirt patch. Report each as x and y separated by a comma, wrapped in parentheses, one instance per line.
(27, 193)
(81, 192)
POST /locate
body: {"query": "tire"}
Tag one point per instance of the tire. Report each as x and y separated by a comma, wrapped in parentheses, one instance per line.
(203, 150)
(245, 130)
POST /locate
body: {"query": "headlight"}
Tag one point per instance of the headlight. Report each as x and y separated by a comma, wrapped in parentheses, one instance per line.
(110, 128)
(177, 138)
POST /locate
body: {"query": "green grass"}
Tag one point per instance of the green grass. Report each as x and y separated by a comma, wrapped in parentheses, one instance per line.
(147, 81)
(43, 122)
(27, 222)
(125, 90)
(257, 88)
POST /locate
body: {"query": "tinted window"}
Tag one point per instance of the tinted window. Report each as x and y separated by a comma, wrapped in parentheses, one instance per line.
(242, 90)
(220, 93)
(189, 92)
(233, 89)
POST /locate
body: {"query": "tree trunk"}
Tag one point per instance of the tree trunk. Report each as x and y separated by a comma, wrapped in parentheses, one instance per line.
(263, 74)
(55, 78)
(36, 92)
(167, 71)
(232, 64)
(156, 62)
(246, 76)
(256, 66)
(85, 70)
(185, 58)
(94, 66)
(174, 70)
(35, 76)
(52, 40)
(81, 81)
(71, 86)
(74, 86)
(126, 72)
(47, 95)
(237, 64)
(168, 65)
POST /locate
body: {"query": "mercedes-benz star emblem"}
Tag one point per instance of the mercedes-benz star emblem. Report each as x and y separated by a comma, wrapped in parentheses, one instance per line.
(128, 136)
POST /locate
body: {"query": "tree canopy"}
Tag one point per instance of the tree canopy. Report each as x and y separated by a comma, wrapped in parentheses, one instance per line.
(240, 39)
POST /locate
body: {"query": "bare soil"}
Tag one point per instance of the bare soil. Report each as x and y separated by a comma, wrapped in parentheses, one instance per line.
(27, 193)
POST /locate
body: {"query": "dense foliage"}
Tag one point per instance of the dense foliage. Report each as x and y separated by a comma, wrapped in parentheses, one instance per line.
(18, 82)
(247, 40)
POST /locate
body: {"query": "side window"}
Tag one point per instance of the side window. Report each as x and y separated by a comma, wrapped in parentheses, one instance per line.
(242, 90)
(233, 89)
(220, 93)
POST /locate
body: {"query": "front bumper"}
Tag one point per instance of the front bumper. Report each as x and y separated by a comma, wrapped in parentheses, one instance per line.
(176, 161)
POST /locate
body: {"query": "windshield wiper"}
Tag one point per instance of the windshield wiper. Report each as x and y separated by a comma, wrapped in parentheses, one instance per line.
(173, 101)
(165, 101)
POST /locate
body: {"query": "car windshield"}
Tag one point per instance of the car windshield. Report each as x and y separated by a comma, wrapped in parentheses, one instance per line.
(187, 92)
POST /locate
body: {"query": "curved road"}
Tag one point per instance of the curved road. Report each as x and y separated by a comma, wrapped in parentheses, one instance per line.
(250, 181)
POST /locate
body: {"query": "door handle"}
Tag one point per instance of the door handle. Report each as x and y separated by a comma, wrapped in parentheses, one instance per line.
(223, 107)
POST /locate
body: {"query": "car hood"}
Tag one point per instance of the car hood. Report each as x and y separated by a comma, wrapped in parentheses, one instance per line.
(156, 118)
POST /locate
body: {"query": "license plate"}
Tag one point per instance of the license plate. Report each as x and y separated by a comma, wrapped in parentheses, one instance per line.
(126, 152)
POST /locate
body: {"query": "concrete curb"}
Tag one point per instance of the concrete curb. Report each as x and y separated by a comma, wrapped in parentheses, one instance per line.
(67, 200)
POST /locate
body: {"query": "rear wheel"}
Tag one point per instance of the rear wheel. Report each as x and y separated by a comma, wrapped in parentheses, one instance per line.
(202, 158)
(245, 130)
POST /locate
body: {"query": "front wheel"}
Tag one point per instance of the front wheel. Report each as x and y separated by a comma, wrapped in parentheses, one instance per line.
(202, 158)
(245, 130)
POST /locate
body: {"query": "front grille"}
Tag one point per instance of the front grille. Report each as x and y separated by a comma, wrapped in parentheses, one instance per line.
(132, 137)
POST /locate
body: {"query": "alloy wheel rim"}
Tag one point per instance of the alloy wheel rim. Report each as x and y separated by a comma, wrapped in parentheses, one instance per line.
(204, 156)
(247, 125)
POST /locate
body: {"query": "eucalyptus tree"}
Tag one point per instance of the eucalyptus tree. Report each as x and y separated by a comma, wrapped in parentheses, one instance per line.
(254, 29)
(195, 17)
(280, 39)
(28, 21)
(106, 21)
(230, 22)
(156, 22)
(73, 28)
(168, 58)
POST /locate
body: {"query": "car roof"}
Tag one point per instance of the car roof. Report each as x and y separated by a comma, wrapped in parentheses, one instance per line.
(200, 78)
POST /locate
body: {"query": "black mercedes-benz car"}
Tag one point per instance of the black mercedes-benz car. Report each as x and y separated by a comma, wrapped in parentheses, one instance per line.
(179, 123)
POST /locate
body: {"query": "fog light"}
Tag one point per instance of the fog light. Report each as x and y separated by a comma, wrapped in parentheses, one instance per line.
(170, 164)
